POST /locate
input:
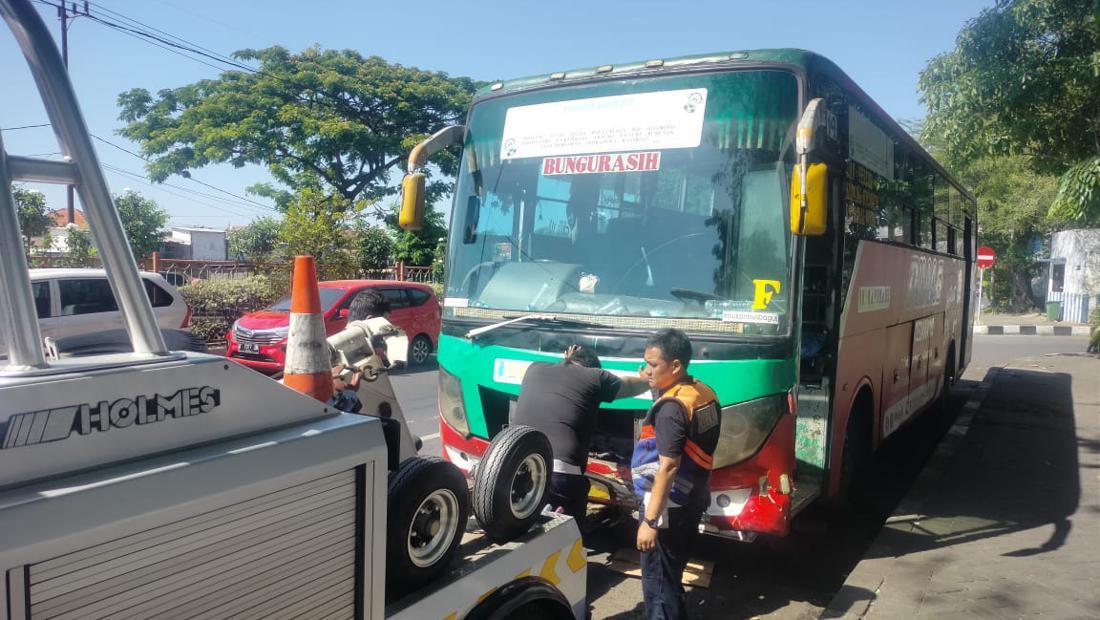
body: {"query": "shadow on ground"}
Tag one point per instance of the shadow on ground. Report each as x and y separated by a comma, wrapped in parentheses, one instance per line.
(812, 563)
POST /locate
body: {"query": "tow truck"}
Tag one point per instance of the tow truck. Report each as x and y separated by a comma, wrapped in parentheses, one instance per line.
(161, 483)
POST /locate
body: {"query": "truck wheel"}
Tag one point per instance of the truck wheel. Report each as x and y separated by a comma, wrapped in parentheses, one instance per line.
(426, 515)
(511, 482)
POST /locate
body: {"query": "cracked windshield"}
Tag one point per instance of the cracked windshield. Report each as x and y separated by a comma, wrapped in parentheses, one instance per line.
(666, 205)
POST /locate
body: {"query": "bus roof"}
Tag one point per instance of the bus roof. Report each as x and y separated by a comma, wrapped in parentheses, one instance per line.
(746, 58)
(789, 56)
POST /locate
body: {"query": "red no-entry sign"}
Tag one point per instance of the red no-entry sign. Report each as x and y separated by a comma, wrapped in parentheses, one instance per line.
(986, 257)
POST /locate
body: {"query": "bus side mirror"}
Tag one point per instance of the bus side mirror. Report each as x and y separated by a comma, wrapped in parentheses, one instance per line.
(811, 221)
(412, 202)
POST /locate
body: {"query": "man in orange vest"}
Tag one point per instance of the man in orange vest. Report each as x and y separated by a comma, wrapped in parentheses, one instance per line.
(671, 467)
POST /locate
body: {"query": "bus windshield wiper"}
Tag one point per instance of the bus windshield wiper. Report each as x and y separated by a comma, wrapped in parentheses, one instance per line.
(527, 318)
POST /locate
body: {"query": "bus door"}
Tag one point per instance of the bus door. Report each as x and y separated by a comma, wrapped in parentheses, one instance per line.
(896, 368)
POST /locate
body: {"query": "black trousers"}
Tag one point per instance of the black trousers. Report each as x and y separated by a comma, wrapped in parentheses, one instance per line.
(663, 568)
(570, 492)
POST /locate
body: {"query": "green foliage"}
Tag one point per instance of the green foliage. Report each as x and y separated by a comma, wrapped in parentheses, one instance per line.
(374, 247)
(1078, 198)
(257, 242)
(143, 222)
(216, 303)
(326, 121)
(440, 260)
(81, 250)
(319, 226)
(416, 248)
(1023, 79)
(1013, 201)
(34, 219)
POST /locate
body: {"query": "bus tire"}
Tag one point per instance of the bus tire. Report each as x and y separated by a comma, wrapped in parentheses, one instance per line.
(856, 453)
(943, 403)
(511, 482)
(428, 505)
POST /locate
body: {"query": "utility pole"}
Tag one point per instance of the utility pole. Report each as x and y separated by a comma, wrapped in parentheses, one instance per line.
(63, 14)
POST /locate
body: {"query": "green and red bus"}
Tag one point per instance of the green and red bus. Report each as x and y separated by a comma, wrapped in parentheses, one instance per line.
(596, 206)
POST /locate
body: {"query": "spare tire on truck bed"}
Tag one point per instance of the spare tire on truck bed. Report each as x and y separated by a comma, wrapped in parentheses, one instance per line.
(511, 482)
(428, 504)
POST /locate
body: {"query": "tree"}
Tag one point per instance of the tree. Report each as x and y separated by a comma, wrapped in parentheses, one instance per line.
(1013, 204)
(419, 247)
(34, 219)
(257, 241)
(142, 220)
(374, 247)
(1024, 79)
(318, 226)
(81, 250)
(326, 121)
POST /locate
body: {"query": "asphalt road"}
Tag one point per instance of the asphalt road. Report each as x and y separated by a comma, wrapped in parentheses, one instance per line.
(790, 578)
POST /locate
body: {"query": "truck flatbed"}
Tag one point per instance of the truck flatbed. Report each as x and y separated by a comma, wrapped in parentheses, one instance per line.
(552, 551)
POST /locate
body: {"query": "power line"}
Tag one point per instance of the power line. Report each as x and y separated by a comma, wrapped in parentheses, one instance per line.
(133, 176)
(144, 179)
(117, 15)
(25, 127)
(180, 45)
(189, 178)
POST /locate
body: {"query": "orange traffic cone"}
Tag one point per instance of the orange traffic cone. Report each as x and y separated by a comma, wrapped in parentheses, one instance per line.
(308, 362)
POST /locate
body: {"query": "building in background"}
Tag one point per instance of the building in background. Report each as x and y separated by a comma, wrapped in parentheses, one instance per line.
(1074, 276)
(195, 243)
(59, 231)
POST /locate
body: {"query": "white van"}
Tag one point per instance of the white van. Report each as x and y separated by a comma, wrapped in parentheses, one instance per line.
(74, 302)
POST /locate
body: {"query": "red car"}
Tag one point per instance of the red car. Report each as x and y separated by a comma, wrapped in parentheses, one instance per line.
(258, 339)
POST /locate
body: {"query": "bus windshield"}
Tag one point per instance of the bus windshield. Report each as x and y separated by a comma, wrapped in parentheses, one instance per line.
(647, 203)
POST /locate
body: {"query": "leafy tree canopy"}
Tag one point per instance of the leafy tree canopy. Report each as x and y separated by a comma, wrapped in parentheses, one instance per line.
(1024, 79)
(81, 249)
(1013, 201)
(257, 242)
(34, 219)
(325, 121)
(374, 247)
(142, 220)
(419, 247)
(319, 226)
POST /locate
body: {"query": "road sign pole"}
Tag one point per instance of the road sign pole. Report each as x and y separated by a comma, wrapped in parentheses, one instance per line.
(981, 276)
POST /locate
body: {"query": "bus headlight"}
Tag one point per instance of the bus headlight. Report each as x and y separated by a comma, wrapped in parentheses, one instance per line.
(745, 426)
(451, 407)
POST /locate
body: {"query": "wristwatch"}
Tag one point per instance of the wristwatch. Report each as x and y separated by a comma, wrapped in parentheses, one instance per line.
(650, 522)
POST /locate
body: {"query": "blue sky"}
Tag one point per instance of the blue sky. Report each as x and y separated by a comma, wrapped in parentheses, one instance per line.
(881, 44)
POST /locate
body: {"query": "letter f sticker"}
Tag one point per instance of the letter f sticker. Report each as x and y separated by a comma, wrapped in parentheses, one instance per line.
(764, 291)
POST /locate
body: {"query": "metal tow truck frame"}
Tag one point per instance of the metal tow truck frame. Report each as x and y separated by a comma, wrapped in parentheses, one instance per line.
(169, 484)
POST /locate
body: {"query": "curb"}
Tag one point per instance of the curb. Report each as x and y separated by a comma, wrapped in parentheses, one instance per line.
(852, 600)
(1032, 330)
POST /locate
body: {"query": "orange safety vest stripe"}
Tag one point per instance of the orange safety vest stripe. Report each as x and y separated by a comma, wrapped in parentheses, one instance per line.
(697, 454)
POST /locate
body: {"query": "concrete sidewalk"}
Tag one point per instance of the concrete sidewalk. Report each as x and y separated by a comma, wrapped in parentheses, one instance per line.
(1005, 521)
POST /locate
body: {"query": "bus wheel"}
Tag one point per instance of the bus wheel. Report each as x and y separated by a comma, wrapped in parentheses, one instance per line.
(512, 481)
(426, 515)
(948, 381)
(856, 454)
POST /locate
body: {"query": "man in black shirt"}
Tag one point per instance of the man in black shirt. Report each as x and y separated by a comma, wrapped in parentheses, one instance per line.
(563, 400)
(670, 468)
